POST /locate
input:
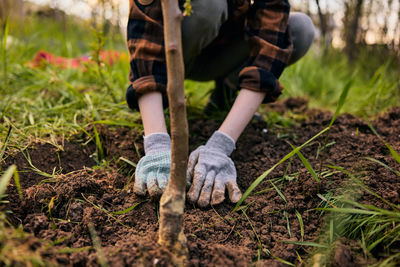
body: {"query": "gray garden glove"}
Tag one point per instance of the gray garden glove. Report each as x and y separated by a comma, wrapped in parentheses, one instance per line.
(152, 171)
(211, 171)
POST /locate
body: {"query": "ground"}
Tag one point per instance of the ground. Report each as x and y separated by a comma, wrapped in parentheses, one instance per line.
(59, 209)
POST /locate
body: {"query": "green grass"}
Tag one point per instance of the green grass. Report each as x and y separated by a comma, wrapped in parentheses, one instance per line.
(375, 87)
(53, 103)
(376, 229)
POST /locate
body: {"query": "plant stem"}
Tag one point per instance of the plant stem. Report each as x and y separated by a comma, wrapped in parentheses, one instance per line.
(173, 200)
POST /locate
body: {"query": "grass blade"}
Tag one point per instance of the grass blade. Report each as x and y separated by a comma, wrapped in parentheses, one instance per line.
(349, 211)
(5, 179)
(128, 209)
(69, 250)
(98, 144)
(301, 223)
(341, 101)
(331, 231)
(383, 165)
(309, 244)
(279, 192)
(282, 260)
(339, 106)
(363, 186)
(4, 147)
(18, 184)
(287, 223)
(395, 155)
(307, 164)
(128, 161)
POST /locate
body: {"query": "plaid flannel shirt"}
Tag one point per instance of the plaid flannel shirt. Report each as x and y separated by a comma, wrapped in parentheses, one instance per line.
(264, 22)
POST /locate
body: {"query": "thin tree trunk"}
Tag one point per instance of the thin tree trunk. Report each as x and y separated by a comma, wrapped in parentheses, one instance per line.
(398, 32)
(322, 20)
(351, 36)
(173, 200)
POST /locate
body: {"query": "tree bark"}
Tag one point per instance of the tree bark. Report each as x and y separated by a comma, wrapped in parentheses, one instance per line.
(173, 200)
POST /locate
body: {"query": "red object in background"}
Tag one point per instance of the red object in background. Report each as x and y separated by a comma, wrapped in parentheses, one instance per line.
(44, 58)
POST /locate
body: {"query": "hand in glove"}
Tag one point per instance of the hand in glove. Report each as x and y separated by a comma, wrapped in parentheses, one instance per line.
(211, 172)
(152, 171)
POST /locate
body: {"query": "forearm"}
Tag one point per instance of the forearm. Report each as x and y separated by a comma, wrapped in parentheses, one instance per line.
(241, 113)
(151, 111)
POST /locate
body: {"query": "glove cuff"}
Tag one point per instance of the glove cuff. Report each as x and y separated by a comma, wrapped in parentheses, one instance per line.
(157, 142)
(221, 142)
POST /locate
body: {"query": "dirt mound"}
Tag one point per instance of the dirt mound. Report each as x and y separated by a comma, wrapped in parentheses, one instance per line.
(61, 210)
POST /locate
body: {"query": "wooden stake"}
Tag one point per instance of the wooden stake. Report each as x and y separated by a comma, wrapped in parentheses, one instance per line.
(173, 200)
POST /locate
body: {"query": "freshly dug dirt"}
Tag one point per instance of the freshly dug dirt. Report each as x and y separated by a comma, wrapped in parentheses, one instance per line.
(60, 210)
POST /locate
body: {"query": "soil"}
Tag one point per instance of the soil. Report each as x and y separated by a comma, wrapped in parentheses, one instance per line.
(60, 209)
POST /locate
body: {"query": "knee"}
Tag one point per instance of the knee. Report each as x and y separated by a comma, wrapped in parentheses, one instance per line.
(301, 27)
(303, 33)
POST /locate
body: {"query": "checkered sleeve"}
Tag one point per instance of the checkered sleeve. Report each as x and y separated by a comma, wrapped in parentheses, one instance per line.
(145, 40)
(270, 47)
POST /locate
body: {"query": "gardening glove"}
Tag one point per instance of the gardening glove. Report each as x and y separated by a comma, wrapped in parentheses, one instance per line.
(212, 171)
(152, 171)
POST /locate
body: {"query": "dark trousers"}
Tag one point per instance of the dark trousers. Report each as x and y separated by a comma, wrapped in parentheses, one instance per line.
(203, 63)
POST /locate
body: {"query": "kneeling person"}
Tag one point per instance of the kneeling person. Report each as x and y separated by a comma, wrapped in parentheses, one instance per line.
(240, 44)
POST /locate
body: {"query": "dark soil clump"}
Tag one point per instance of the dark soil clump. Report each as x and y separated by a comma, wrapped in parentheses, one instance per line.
(61, 210)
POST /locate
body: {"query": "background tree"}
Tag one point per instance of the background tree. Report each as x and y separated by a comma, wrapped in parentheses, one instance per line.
(353, 13)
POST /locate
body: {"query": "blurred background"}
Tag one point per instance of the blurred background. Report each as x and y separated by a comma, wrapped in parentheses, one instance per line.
(345, 24)
(358, 41)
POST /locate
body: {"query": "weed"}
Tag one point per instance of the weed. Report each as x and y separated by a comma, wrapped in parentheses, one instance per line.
(97, 46)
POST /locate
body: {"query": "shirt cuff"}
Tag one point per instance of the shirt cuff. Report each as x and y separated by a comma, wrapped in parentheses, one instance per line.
(144, 85)
(259, 80)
